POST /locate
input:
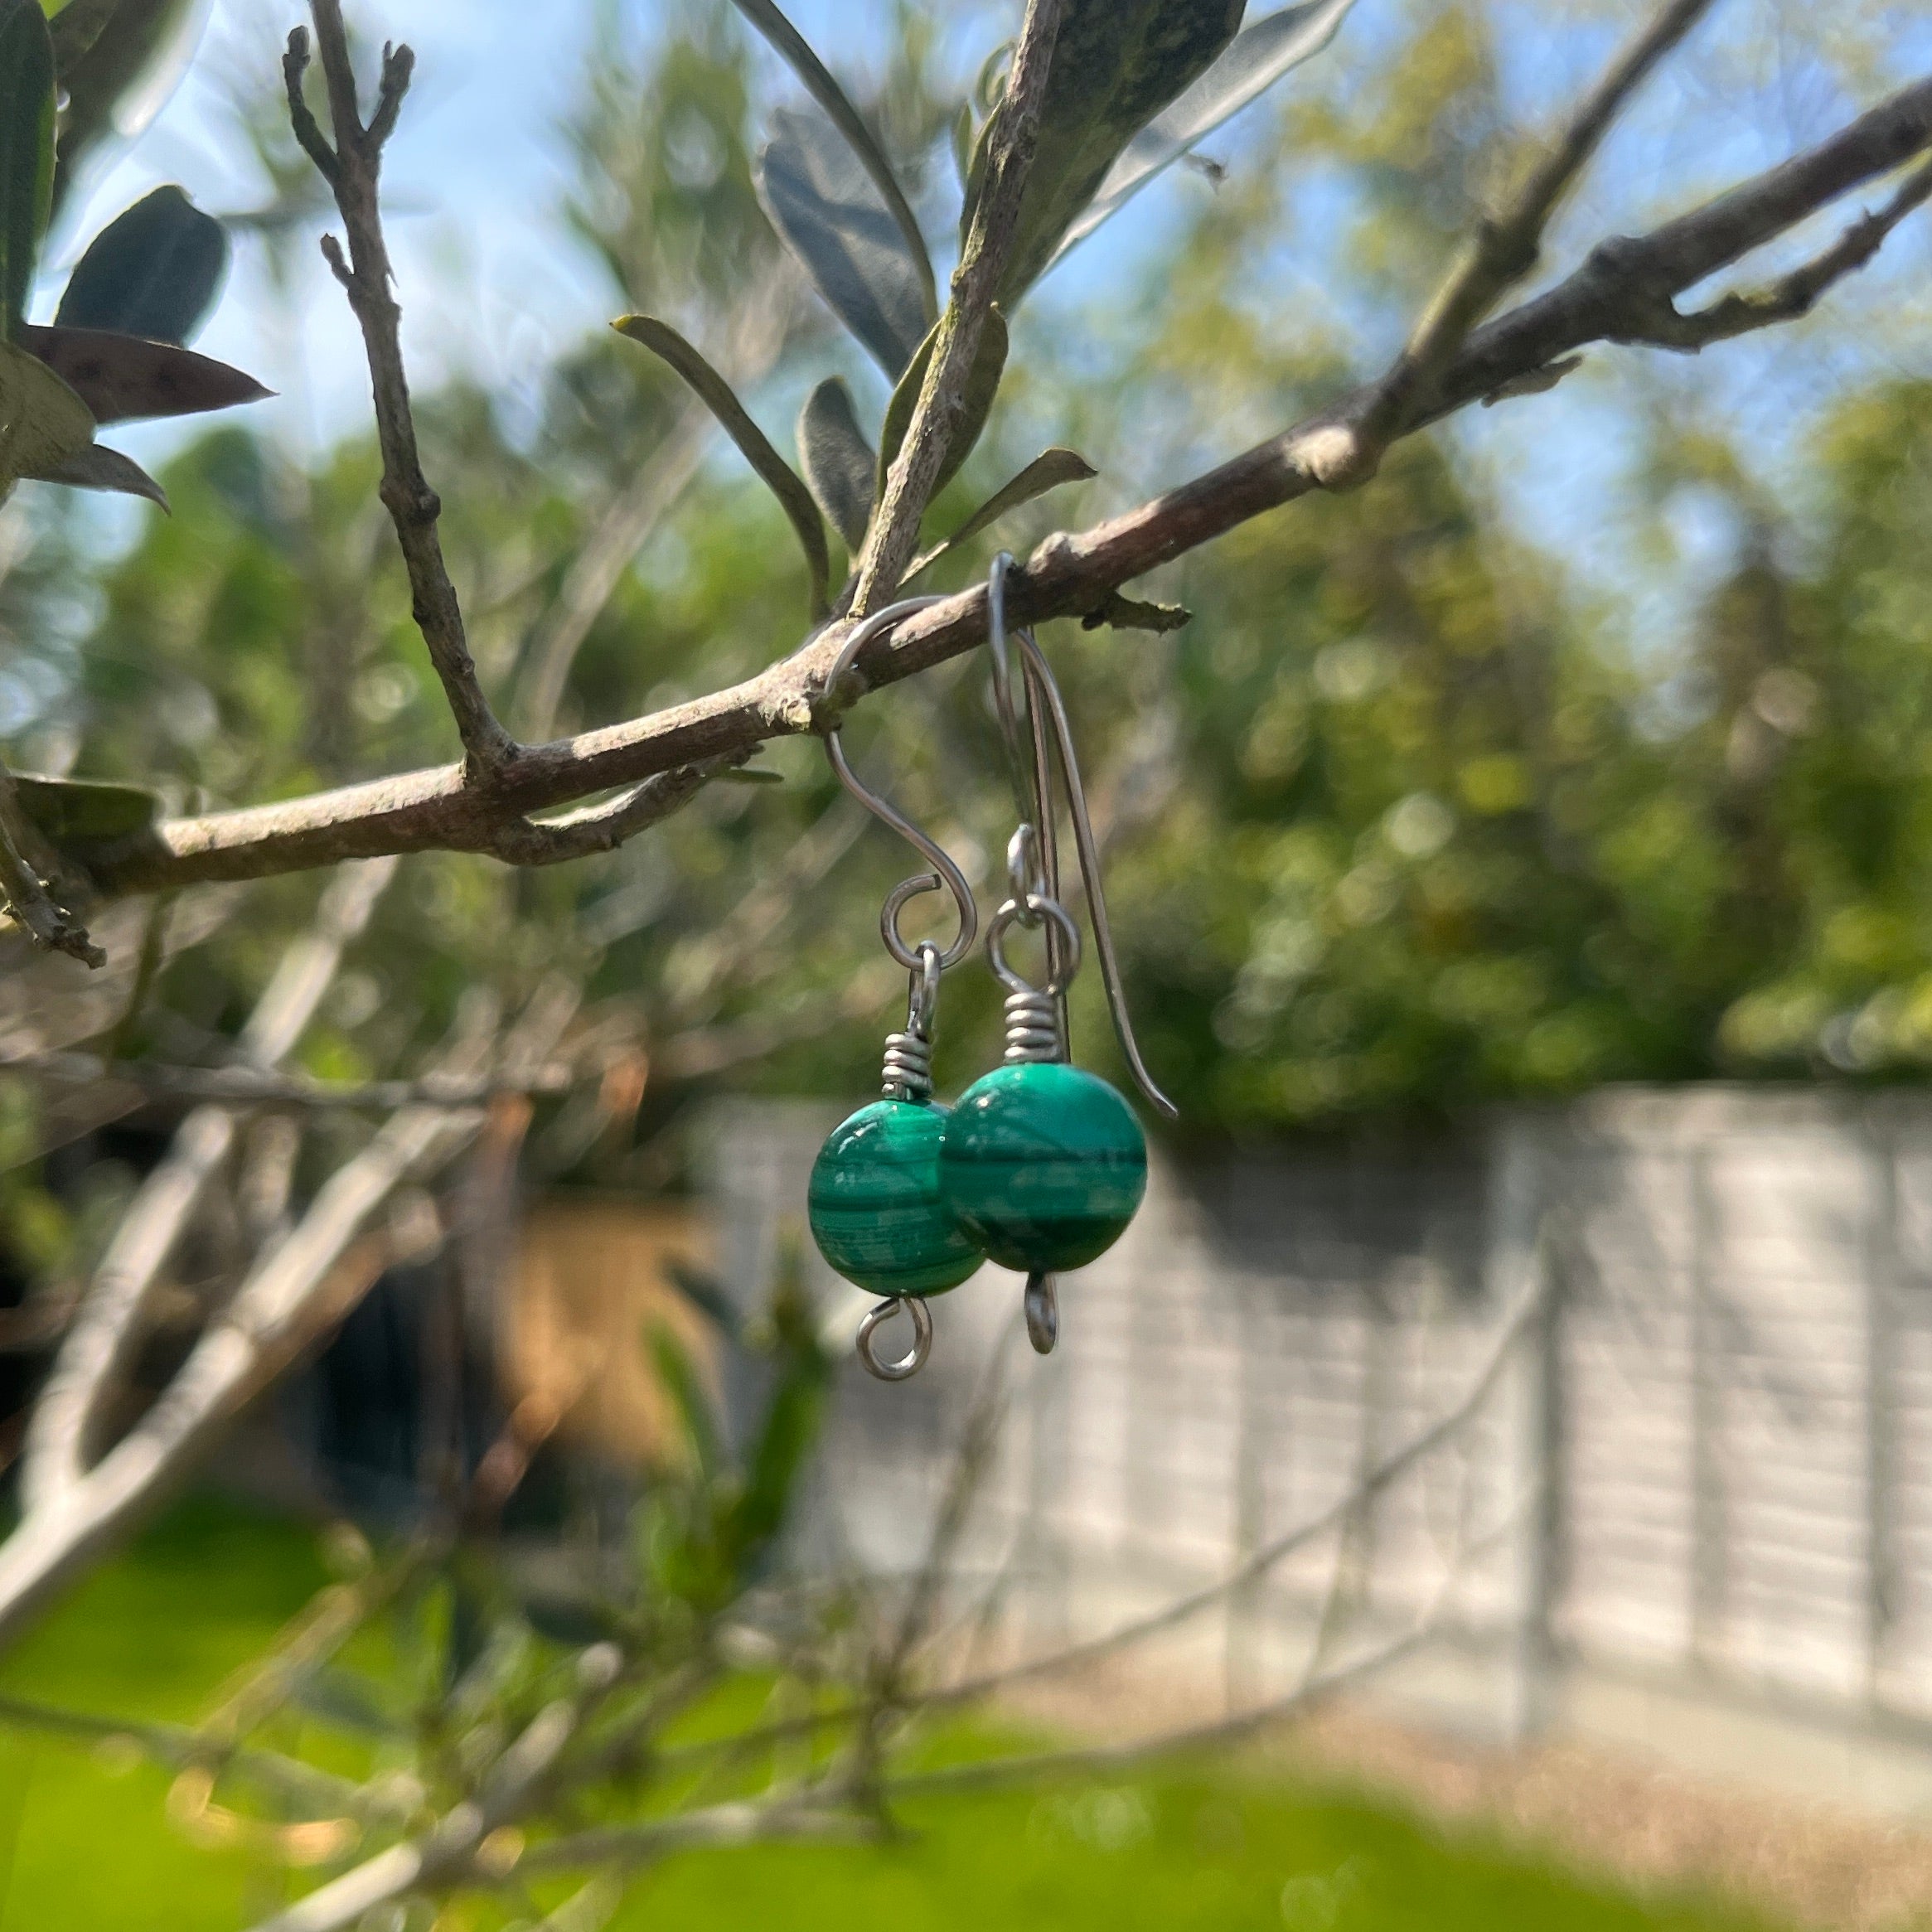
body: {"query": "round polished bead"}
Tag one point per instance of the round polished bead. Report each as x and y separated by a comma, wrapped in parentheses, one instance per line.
(875, 1206)
(1044, 1165)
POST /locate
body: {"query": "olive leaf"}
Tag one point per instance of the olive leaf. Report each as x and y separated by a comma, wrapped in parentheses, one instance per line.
(98, 467)
(796, 52)
(1051, 470)
(838, 462)
(123, 378)
(85, 811)
(43, 423)
(118, 73)
(153, 272)
(1263, 52)
(76, 27)
(27, 152)
(1117, 65)
(831, 216)
(784, 482)
(982, 390)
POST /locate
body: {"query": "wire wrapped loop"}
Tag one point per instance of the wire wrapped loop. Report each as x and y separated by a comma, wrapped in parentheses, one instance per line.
(908, 1055)
(909, 1364)
(1036, 909)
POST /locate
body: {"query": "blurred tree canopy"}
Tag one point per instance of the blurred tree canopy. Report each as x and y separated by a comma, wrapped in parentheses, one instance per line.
(1403, 821)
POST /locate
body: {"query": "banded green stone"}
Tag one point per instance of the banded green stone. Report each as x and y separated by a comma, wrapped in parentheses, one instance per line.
(1044, 1165)
(875, 1208)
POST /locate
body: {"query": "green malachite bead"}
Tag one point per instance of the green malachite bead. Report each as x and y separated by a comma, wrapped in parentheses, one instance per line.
(875, 1206)
(1044, 1165)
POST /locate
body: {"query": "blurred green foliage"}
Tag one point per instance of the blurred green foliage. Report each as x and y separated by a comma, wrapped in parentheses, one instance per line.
(1223, 1847)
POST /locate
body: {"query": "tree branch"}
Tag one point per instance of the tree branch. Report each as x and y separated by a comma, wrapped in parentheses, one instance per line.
(1506, 247)
(353, 170)
(1793, 295)
(248, 1087)
(1612, 297)
(295, 1293)
(100, 1345)
(894, 535)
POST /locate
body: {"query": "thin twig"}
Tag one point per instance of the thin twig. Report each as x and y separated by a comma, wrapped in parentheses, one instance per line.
(1793, 295)
(243, 1086)
(1506, 247)
(100, 1346)
(304, 1285)
(894, 535)
(353, 169)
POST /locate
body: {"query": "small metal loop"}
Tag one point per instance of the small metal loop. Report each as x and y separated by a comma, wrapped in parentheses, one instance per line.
(1043, 1312)
(906, 952)
(908, 1365)
(944, 872)
(1026, 878)
(923, 1007)
(1012, 914)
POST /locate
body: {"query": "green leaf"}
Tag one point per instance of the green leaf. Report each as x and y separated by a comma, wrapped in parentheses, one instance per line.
(982, 390)
(715, 393)
(27, 152)
(677, 1374)
(1117, 65)
(838, 464)
(1051, 471)
(125, 378)
(819, 84)
(84, 811)
(830, 216)
(348, 1704)
(76, 27)
(130, 67)
(1263, 52)
(787, 1434)
(43, 423)
(153, 272)
(98, 467)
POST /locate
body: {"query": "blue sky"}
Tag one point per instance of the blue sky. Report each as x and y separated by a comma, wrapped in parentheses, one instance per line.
(490, 286)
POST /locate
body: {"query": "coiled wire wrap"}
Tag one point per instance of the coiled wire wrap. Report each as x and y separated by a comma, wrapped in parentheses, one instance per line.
(1032, 1012)
(908, 1067)
(908, 1055)
(1032, 1027)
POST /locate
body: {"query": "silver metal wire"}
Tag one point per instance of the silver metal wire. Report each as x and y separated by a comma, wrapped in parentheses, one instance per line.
(1043, 1312)
(1033, 1028)
(908, 1055)
(909, 1364)
(1048, 720)
(1037, 910)
(944, 871)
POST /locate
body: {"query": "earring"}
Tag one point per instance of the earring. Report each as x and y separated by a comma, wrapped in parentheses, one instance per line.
(875, 1203)
(1042, 1163)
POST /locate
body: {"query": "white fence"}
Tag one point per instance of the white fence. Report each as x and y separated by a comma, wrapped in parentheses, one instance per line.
(1703, 1480)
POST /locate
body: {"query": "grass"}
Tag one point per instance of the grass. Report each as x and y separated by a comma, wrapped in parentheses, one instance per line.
(84, 1842)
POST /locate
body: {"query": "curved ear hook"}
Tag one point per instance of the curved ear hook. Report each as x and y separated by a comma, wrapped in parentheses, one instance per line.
(944, 871)
(1048, 708)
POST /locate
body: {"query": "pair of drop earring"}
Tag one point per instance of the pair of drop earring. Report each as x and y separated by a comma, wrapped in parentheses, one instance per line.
(1040, 1166)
